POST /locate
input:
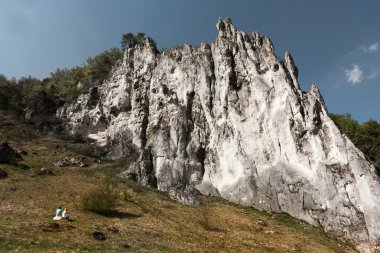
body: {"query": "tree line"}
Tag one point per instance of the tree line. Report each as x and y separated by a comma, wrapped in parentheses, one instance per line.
(63, 85)
(60, 87)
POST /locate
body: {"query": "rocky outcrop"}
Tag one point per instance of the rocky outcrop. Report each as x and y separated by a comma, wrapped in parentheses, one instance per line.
(73, 161)
(3, 174)
(230, 120)
(7, 153)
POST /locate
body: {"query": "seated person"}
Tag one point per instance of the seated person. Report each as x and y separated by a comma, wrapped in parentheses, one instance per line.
(65, 215)
(58, 214)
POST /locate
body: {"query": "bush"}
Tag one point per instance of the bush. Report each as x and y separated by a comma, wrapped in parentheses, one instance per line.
(101, 200)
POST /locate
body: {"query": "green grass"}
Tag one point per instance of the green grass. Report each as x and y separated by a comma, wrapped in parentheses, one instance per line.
(147, 219)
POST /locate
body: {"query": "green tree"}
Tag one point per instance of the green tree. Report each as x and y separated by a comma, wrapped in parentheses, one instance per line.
(65, 83)
(365, 136)
(129, 40)
(346, 124)
(368, 140)
(98, 67)
(9, 95)
(139, 38)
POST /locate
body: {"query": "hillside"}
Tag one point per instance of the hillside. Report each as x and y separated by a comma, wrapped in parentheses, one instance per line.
(147, 220)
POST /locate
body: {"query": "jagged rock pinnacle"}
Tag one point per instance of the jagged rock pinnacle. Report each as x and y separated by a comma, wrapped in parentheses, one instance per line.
(225, 27)
(289, 63)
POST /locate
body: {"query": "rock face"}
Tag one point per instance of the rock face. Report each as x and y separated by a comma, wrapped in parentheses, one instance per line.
(230, 120)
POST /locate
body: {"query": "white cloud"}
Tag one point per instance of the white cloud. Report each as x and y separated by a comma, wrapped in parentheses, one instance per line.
(354, 75)
(373, 48)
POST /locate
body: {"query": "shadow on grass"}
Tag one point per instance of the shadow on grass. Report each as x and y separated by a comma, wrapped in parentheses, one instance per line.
(211, 228)
(55, 227)
(119, 214)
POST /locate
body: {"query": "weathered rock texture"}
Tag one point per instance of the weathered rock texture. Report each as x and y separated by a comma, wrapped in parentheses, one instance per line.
(230, 120)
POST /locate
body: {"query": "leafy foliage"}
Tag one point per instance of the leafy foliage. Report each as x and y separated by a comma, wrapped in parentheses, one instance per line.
(43, 97)
(63, 83)
(365, 136)
(9, 94)
(98, 67)
(130, 40)
(70, 83)
(62, 86)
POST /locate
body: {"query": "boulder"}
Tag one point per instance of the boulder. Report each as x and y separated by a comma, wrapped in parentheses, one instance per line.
(3, 174)
(188, 196)
(99, 236)
(7, 153)
(73, 161)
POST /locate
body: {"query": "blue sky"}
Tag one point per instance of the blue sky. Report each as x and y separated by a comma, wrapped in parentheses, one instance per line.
(335, 44)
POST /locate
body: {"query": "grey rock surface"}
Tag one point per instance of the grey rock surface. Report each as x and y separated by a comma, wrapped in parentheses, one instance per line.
(230, 120)
(188, 196)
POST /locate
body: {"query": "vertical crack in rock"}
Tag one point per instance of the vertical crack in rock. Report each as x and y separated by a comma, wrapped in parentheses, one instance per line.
(145, 121)
(201, 156)
(317, 121)
(211, 83)
(94, 97)
(232, 78)
(189, 108)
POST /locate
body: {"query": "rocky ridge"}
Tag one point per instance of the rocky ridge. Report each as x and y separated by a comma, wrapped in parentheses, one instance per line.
(230, 120)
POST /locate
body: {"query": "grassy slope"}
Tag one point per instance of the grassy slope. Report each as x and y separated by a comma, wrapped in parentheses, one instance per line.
(147, 220)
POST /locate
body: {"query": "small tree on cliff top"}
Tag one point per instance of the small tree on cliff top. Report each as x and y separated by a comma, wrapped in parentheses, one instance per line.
(130, 40)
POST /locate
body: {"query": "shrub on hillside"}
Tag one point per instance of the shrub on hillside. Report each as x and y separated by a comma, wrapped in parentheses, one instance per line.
(101, 200)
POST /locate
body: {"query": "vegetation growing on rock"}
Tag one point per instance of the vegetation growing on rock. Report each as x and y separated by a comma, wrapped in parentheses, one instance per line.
(131, 40)
(365, 136)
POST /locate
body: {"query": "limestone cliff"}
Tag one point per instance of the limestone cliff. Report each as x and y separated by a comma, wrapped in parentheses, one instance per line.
(230, 120)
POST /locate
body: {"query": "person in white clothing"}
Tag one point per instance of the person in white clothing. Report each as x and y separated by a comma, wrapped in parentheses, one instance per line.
(65, 215)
